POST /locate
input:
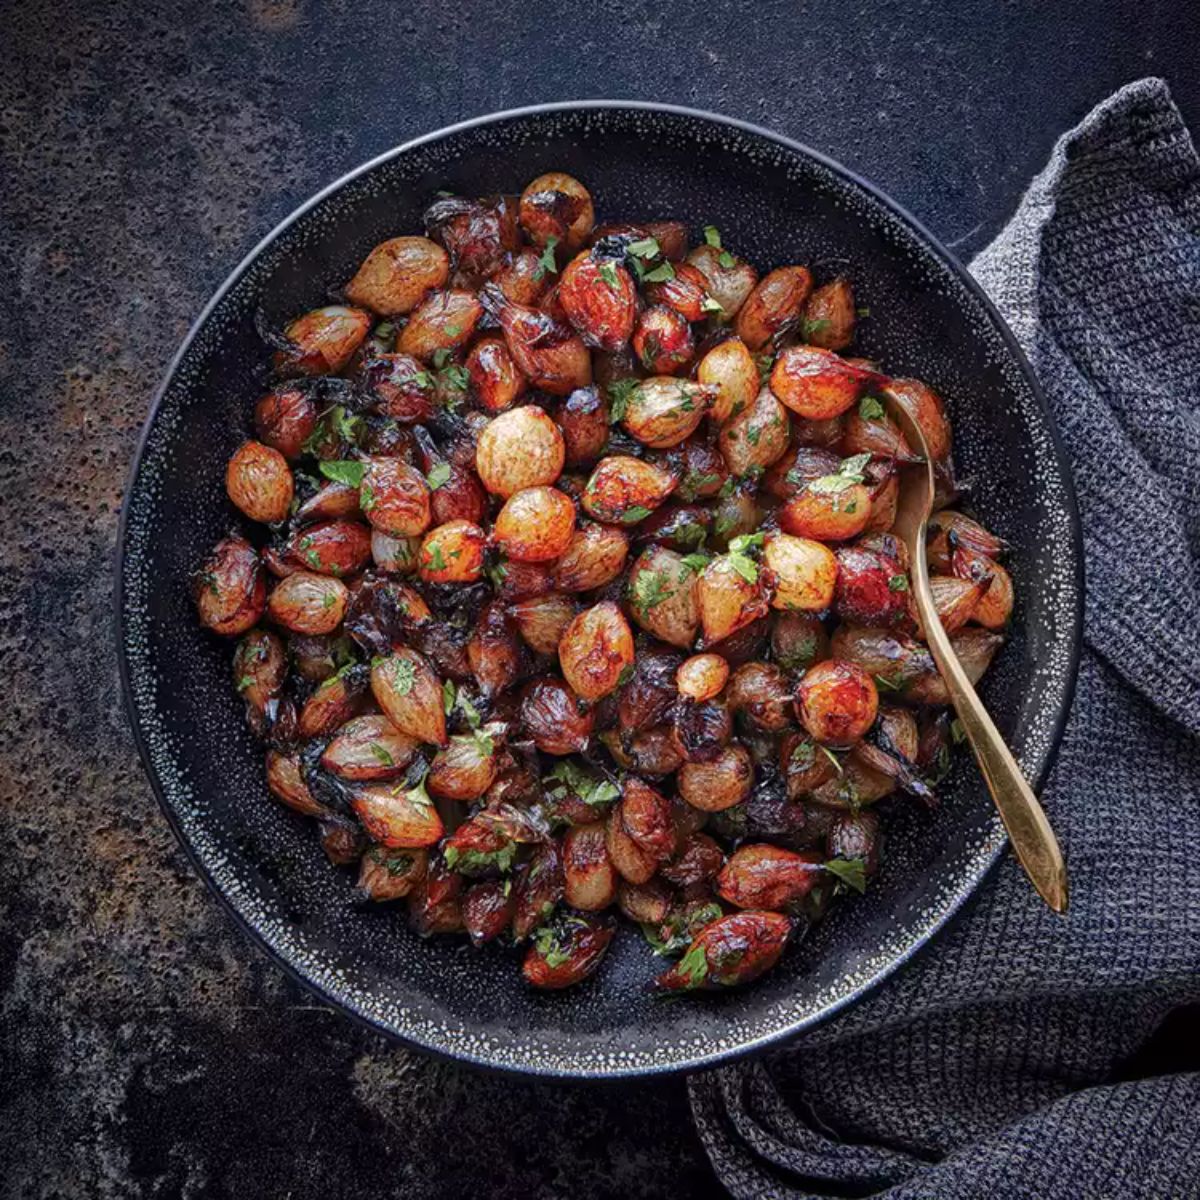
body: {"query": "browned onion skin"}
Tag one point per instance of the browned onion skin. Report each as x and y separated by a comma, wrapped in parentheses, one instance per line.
(573, 589)
(229, 589)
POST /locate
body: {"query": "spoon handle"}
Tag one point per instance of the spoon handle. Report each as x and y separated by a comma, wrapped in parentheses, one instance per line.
(1028, 829)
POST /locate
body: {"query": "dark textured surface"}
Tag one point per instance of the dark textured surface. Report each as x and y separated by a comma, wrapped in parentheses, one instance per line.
(145, 1048)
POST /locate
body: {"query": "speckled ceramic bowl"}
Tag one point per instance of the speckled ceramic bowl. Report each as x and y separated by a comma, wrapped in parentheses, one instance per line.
(778, 203)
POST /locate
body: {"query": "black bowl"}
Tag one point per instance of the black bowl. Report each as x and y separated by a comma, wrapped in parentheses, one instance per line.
(778, 203)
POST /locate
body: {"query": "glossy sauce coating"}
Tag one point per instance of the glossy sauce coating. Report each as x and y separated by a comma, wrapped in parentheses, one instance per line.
(562, 588)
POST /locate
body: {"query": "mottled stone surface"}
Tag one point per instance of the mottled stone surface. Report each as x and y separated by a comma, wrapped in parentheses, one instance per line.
(145, 1048)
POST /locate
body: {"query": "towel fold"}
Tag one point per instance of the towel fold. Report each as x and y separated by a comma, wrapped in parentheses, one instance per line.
(990, 1066)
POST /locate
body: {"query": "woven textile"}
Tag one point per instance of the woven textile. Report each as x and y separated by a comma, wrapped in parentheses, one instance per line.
(989, 1067)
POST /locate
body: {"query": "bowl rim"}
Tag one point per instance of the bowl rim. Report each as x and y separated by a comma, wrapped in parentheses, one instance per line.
(953, 906)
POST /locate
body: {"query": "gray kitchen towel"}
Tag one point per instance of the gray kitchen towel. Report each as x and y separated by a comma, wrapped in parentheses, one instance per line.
(992, 1066)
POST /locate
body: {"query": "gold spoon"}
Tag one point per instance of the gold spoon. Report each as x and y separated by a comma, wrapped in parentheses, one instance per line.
(1028, 829)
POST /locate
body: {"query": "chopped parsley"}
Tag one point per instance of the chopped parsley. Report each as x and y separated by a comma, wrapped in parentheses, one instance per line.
(816, 327)
(417, 793)
(454, 378)
(245, 682)
(546, 261)
(870, 409)
(381, 754)
(739, 558)
(709, 305)
(898, 583)
(395, 862)
(554, 953)
(726, 259)
(619, 393)
(694, 965)
(848, 474)
(434, 559)
(448, 696)
(469, 711)
(660, 274)
(693, 483)
(696, 562)
(568, 778)
(439, 474)
(344, 471)
(328, 600)
(676, 932)
(850, 871)
(608, 272)
(404, 675)
(334, 422)
(646, 247)
(631, 516)
(712, 236)
(473, 861)
(650, 589)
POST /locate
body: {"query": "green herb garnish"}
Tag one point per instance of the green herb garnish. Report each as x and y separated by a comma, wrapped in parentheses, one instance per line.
(404, 675)
(567, 777)
(848, 474)
(851, 871)
(870, 409)
(739, 558)
(344, 471)
(553, 953)
(660, 274)
(546, 261)
(469, 711)
(649, 589)
(619, 393)
(382, 755)
(694, 965)
(646, 247)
